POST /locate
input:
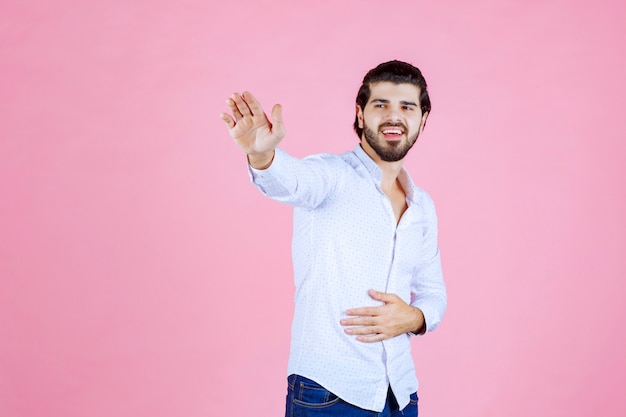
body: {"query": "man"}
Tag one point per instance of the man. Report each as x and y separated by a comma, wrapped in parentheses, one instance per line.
(366, 263)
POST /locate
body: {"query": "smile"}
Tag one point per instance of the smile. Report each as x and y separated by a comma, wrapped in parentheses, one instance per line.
(392, 133)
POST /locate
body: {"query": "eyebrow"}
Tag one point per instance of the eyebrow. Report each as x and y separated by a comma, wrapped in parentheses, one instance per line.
(403, 102)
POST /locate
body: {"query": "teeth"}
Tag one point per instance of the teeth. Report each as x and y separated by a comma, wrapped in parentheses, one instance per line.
(392, 131)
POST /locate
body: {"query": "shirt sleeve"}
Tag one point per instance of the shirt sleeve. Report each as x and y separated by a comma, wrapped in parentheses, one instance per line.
(428, 290)
(297, 182)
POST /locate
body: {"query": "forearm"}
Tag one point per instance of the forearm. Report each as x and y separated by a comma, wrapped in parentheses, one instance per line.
(297, 182)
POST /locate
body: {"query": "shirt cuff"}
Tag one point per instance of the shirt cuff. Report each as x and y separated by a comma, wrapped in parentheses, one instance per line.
(270, 171)
(431, 317)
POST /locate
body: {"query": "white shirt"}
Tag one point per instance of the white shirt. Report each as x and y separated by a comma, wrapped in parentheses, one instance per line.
(345, 242)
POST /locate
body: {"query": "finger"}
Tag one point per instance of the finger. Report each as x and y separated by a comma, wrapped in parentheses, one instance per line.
(381, 296)
(364, 311)
(277, 120)
(364, 330)
(372, 338)
(233, 107)
(360, 321)
(253, 104)
(242, 106)
(228, 119)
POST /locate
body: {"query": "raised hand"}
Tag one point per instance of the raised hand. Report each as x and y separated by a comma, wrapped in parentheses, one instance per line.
(251, 130)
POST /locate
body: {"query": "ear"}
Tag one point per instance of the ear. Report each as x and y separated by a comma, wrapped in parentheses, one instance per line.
(359, 116)
(423, 122)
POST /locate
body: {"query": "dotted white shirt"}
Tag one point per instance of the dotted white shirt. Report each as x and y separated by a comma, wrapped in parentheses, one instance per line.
(346, 241)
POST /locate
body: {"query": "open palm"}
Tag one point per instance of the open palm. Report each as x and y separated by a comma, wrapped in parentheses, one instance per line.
(249, 126)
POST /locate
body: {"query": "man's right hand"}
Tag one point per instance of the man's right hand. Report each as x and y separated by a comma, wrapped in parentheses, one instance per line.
(252, 131)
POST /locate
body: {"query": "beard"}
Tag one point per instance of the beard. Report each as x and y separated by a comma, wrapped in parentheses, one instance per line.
(389, 151)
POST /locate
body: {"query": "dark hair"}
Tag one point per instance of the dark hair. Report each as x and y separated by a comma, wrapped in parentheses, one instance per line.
(396, 72)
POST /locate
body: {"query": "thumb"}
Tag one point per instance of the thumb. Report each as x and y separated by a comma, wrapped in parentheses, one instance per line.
(277, 120)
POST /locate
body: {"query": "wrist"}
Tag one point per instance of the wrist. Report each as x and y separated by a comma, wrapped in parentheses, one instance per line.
(261, 160)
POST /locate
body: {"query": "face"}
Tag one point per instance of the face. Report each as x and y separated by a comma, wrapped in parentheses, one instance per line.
(391, 120)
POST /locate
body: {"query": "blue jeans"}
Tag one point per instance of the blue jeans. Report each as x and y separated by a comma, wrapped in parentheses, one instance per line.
(306, 398)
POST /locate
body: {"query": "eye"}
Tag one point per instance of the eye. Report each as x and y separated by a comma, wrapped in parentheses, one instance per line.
(409, 108)
(379, 105)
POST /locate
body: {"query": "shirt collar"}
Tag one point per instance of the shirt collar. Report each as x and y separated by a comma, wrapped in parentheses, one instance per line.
(368, 163)
(407, 185)
(376, 173)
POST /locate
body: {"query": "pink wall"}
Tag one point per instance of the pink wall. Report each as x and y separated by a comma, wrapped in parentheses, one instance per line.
(140, 273)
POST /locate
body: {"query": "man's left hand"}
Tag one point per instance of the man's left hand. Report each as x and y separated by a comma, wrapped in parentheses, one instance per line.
(373, 324)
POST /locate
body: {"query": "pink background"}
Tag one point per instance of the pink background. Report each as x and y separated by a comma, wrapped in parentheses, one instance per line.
(142, 275)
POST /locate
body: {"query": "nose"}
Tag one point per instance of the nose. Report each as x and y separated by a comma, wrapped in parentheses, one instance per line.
(394, 115)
